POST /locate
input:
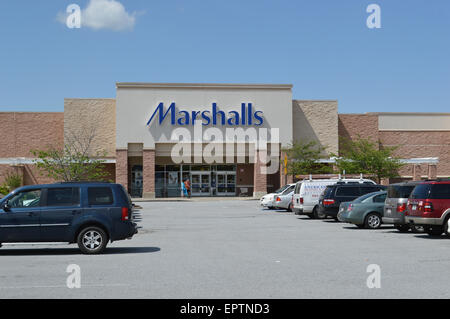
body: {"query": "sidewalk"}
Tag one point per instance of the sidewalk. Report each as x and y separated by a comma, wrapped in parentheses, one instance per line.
(192, 199)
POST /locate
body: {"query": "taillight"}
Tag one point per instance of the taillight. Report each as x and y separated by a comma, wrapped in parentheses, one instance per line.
(328, 201)
(125, 213)
(427, 207)
(350, 208)
(278, 199)
(401, 208)
(301, 200)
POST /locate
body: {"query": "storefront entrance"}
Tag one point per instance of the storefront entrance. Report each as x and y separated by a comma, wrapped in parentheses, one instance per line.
(201, 183)
(206, 180)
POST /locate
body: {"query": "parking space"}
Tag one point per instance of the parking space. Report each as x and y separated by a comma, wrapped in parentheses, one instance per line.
(234, 249)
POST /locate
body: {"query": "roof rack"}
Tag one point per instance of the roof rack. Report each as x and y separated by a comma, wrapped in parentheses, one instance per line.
(354, 182)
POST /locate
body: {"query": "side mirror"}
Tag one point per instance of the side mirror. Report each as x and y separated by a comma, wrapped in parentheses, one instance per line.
(6, 207)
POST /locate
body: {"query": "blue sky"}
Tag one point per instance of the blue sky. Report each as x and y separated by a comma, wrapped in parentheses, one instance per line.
(323, 48)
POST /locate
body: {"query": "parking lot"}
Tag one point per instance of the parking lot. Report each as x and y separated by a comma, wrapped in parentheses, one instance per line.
(234, 249)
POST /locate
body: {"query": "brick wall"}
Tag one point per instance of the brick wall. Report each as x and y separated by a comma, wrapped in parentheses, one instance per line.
(352, 125)
(148, 174)
(415, 144)
(122, 168)
(23, 131)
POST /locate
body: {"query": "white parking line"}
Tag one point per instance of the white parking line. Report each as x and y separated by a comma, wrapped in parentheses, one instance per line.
(63, 286)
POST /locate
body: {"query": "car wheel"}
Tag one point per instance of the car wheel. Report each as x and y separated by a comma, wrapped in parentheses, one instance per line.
(402, 228)
(92, 240)
(417, 229)
(446, 228)
(373, 221)
(317, 214)
(435, 231)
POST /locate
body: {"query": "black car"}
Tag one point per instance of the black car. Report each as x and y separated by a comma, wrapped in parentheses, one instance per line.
(89, 214)
(335, 194)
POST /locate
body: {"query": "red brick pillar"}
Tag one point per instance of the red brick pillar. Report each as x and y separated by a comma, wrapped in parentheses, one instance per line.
(259, 178)
(432, 171)
(122, 168)
(148, 172)
(417, 172)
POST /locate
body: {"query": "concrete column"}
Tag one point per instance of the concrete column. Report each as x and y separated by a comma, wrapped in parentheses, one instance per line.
(432, 171)
(148, 160)
(122, 168)
(384, 181)
(417, 172)
(259, 178)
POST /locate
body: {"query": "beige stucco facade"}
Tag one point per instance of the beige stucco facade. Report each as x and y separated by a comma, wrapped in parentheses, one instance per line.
(91, 118)
(315, 120)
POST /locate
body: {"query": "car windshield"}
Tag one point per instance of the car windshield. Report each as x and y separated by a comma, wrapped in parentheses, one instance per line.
(431, 191)
(327, 192)
(282, 189)
(288, 190)
(399, 191)
(364, 197)
(421, 191)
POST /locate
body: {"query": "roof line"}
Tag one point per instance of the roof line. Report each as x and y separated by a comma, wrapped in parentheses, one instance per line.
(202, 85)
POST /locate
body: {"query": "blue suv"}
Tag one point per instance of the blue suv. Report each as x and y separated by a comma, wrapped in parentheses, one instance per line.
(89, 214)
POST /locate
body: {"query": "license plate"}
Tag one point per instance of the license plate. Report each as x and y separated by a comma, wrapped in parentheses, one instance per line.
(388, 211)
(414, 207)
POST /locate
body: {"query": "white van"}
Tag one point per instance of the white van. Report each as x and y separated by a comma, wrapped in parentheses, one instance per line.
(307, 193)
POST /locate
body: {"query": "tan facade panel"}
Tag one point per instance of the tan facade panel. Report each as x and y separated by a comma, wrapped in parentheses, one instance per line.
(414, 121)
(84, 118)
(316, 121)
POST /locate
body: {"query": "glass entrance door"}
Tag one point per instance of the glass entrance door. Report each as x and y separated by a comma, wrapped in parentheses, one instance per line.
(200, 183)
(226, 183)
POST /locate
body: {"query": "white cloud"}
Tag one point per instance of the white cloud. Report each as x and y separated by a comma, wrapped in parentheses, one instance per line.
(105, 14)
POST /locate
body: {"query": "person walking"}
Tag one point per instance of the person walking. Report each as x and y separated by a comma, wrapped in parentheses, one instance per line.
(184, 192)
(187, 184)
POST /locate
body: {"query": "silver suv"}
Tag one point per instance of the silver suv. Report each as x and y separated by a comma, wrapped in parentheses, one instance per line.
(396, 204)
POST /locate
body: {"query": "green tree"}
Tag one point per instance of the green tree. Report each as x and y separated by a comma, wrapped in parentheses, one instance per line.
(303, 158)
(76, 160)
(69, 166)
(367, 157)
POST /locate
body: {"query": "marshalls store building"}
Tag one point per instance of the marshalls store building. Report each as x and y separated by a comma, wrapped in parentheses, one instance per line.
(138, 135)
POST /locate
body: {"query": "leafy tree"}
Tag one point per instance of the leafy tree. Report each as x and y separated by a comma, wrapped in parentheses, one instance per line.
(75, 161)
(69, 166)
(303, 157)
(367, 157)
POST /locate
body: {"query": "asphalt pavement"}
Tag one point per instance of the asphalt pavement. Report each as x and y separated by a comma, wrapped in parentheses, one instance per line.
(234, 249)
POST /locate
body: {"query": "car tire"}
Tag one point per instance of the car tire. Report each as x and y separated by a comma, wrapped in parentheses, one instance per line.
(403, 228)
(92, 240)
(434, 231)
(417, 229)
(289, 209)
(446, 228)
(372, 221)
(318, 215)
